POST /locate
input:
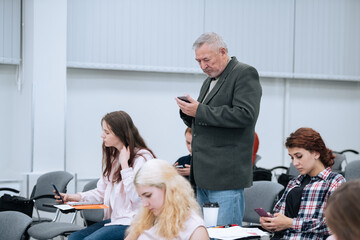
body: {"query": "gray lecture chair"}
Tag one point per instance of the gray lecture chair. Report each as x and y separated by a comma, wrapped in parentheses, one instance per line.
(292, 170)
(43, 193)
(340, 158)
(13, 225)
(261, 194)
(49, 230)
(257, 159)
(94, 215)
(284, 174)
(352, 170)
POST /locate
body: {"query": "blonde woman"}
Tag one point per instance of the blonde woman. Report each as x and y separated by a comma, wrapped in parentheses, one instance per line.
(169, 209)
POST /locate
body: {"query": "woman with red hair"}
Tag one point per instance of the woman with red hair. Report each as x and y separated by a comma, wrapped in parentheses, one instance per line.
(299, 214)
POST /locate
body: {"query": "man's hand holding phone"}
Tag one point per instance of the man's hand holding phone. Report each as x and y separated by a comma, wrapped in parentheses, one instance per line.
(183, 98)
(187, 105)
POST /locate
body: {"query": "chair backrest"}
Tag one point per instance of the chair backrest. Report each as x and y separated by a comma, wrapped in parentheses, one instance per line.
(44, 187)
(257, 159)
(92, 215)
(352, 170)
(13, 225)
(338, 160)
(262, 194)
(292, 170)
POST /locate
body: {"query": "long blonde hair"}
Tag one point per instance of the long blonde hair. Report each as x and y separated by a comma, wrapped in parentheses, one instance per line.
(178, 204)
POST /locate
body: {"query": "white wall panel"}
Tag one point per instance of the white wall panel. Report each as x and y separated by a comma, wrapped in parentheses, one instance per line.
(7, 82)
(10, 31)
(259, 32)
(134, 35)
(269, 126)
(327, 39)
(147, 97)
(314, 39)
(14, 154)
(331, 108)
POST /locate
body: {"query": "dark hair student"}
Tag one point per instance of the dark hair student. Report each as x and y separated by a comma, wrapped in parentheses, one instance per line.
(124, 152)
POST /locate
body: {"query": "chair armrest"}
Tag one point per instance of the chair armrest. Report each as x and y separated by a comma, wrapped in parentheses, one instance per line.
(279, 167)
(44, 196)
(10, 190)
(50, 205)
(349, 150)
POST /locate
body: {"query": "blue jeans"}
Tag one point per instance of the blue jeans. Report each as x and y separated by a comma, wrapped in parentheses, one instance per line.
(98, 231)
(231, 204)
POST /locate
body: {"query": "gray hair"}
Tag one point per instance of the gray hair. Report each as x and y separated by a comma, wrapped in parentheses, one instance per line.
(210, 38)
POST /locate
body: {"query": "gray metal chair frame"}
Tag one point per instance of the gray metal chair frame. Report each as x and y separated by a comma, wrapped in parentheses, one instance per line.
(93, 215)
(43, 192)
(49, 230)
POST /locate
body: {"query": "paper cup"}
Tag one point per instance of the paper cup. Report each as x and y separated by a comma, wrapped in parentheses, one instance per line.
(210, 211)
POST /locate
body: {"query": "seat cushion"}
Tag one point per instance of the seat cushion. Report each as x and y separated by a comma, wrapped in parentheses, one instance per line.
(48, 230)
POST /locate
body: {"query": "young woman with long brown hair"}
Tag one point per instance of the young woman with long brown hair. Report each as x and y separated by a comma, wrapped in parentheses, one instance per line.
(124, 152)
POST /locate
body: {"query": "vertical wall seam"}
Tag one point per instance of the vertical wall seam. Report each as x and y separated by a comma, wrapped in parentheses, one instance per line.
(294, 35)
(204, 17)
(286, 116)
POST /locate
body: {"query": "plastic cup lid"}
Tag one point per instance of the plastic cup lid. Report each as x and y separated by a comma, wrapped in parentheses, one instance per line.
(211, 204)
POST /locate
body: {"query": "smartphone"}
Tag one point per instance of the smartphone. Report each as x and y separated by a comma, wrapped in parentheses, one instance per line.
(58, 193)
(262, 212)
(183, 98)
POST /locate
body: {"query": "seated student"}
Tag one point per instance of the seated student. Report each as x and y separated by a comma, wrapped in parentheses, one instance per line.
(299, 214)
(124, 152)
(169, 208)
(185, 160)
(343, 211)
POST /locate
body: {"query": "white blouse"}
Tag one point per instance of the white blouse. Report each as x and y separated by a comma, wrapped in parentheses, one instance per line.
(191, 224)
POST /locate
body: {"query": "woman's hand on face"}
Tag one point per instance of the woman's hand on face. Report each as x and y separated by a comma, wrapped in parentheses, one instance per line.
(124, 157)
(277, 223)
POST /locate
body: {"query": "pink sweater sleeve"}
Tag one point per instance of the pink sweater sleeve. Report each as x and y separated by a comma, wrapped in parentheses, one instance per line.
(95, 195)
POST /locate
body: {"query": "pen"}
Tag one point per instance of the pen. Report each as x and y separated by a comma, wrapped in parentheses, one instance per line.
(226, 226)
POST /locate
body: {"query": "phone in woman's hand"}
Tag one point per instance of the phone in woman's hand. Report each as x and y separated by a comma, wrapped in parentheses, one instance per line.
(58, 193)
(262, 212)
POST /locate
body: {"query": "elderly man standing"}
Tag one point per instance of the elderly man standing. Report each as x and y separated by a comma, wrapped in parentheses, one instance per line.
(223, 121)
